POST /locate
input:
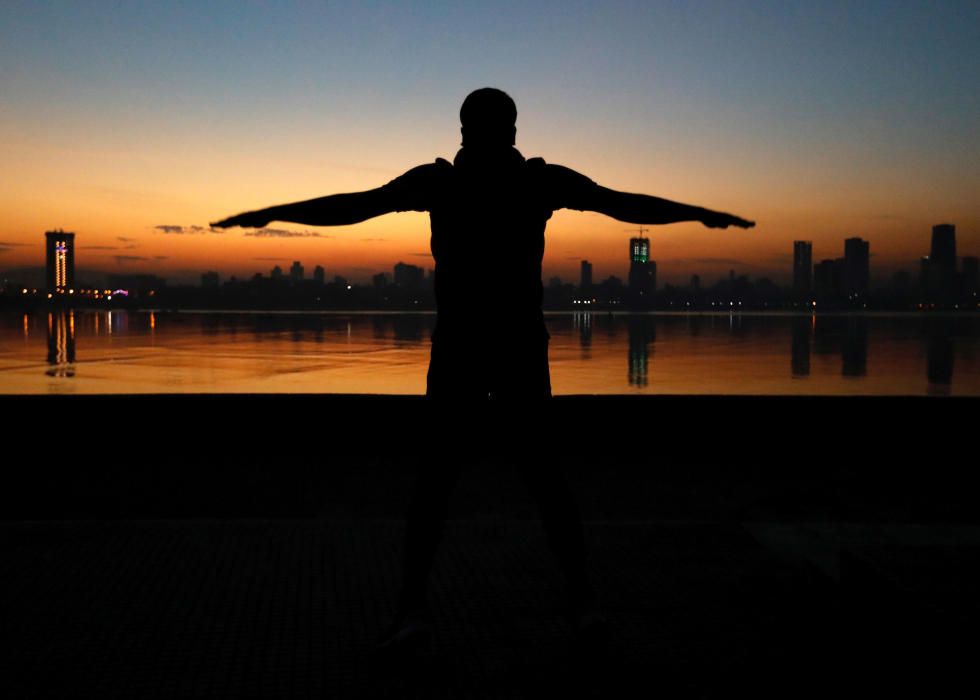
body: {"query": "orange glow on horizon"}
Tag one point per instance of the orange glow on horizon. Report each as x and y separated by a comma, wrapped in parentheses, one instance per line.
(115, 221)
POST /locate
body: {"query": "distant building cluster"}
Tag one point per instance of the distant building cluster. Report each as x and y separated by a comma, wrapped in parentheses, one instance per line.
(846, 281)
(834, 281)
(944, 282)
(62, 287)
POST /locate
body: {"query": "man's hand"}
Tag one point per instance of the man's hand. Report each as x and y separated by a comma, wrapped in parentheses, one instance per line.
(249, 219)
(717, 219)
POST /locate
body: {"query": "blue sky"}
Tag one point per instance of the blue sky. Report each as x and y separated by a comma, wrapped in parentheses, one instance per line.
(794, 112)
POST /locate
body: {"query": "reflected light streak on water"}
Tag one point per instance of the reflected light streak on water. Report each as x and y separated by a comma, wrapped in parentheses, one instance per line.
(591, 353)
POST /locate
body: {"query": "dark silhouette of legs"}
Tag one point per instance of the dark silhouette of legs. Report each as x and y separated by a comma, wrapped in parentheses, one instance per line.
(482, 394)
(424, 528)
(426, 524)
(563, 525)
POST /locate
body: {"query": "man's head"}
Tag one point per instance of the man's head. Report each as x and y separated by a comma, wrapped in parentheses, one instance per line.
(489, 118)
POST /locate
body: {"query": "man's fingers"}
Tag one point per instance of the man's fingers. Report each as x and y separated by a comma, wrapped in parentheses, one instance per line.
(229, 222)
(237, 220)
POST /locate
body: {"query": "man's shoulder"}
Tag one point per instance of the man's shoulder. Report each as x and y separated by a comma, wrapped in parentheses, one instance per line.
(565, 188)
(560, 179)
(437, 168)
(420, 180)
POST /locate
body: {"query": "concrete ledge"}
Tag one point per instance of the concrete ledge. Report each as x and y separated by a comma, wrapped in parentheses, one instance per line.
(886, 459)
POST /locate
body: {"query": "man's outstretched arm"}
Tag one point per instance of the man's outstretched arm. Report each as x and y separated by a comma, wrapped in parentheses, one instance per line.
(581, 193)
(333, 210)
(645, 209)
(410, 192)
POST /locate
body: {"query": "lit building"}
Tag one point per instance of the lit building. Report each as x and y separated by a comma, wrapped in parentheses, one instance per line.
(138, 285)
(60, 248)
(802, 268)
(643, 271)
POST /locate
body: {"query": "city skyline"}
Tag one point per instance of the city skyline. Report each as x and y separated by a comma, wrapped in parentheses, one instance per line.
(134, 126)
(848, 276)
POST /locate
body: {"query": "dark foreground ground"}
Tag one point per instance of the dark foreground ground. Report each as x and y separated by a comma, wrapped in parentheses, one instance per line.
(220, 546)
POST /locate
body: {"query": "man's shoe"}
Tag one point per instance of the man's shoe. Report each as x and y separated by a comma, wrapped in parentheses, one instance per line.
(405, 637)
(591, 631)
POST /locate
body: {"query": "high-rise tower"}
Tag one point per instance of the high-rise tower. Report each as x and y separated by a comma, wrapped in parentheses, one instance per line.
(586, 276)
(643, 271)
(857, 269)
(60, 248)
(942, 259)
(802, 268)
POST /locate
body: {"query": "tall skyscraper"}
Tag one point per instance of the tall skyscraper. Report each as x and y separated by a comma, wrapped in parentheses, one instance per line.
(802, 268)
(943, 249)
(639, 250)
(296, 272)
(60, 249)
(643, 272)
(939, 269)
(319, 274)
(827, 280)
(586, 275)
(970, 277)
(857, 269)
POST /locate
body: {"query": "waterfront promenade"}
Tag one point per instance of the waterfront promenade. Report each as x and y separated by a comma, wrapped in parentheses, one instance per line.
(250, 547)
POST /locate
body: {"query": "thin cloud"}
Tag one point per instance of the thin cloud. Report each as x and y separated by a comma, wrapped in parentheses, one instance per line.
(124, 239)
(120, 259)
(161, 257)
(366, 240)
(185, 230)
(273, 259)
(283, 233)
(12, 244)
(421, 255)
(99, 247)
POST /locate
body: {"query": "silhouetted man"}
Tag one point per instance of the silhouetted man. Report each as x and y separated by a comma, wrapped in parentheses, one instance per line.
(488, 210)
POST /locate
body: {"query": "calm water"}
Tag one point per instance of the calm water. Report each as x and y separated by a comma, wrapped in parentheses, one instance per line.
(88, 352)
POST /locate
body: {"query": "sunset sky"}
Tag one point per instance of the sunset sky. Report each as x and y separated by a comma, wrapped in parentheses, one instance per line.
(132, 123)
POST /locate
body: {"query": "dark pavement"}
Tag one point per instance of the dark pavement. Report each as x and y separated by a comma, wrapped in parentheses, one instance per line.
(291, 608)
(166, 555)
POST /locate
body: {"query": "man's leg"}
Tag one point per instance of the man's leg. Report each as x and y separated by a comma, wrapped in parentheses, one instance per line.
(562, 523)
(424, 528)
